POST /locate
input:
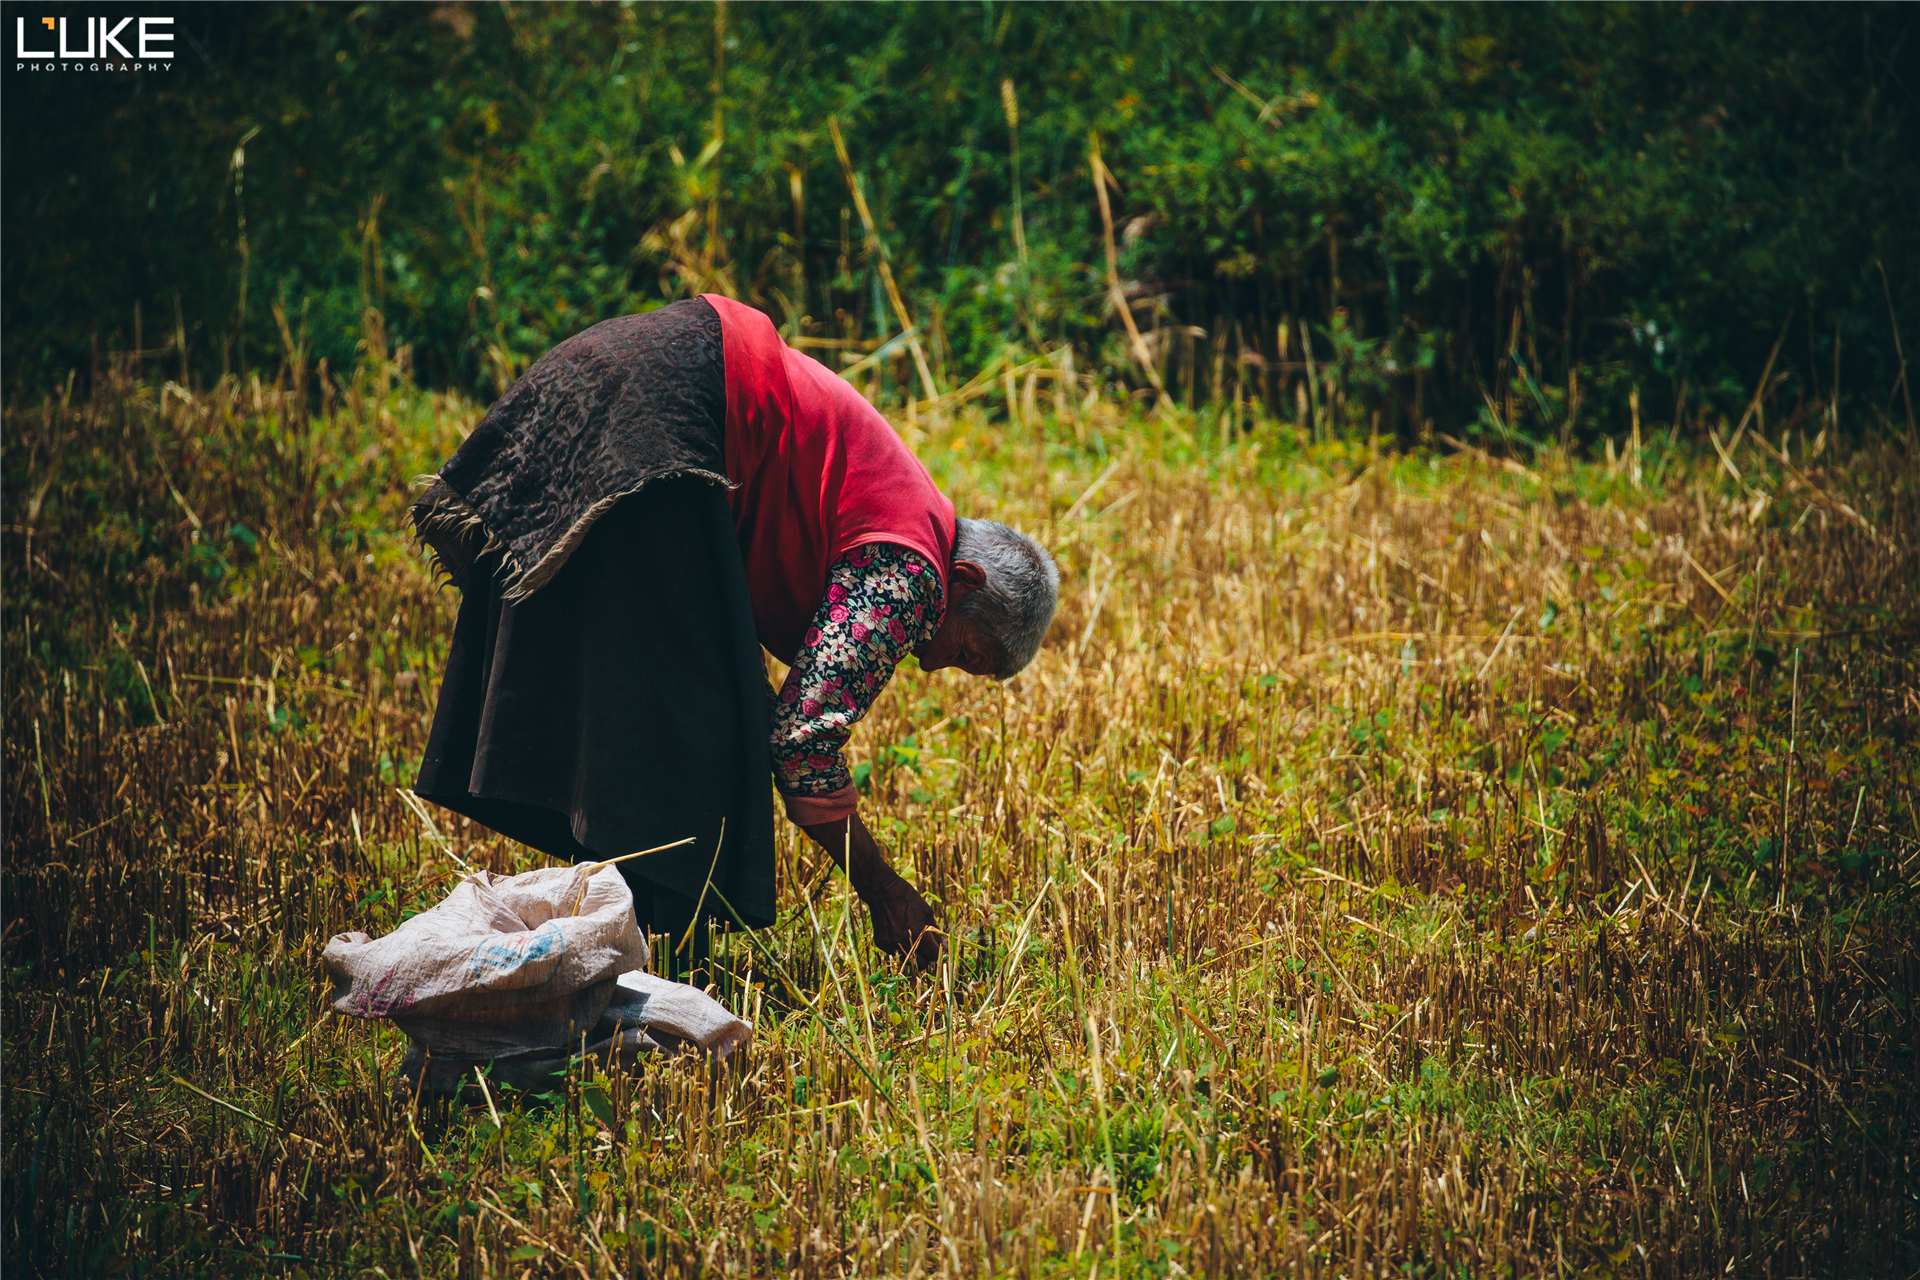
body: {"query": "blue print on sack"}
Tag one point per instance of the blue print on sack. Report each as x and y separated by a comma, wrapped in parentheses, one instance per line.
(503, 957)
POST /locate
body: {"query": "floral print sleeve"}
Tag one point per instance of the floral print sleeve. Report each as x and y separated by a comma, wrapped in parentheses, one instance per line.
(882, 602)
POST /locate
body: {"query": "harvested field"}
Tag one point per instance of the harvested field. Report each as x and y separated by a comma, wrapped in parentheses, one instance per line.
(1424, 864)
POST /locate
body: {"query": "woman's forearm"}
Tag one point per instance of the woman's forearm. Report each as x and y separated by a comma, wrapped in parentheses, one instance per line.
(855, 851)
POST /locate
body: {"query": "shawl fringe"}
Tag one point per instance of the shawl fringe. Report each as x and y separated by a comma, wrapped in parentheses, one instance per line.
(456, 536)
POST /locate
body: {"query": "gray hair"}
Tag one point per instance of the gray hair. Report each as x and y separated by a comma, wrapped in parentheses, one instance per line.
(1015, 606)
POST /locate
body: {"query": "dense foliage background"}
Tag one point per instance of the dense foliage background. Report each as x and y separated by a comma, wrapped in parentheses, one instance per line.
(1477, 211)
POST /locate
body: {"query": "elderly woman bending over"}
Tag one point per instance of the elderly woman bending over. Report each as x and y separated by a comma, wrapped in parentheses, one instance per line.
(654, 501)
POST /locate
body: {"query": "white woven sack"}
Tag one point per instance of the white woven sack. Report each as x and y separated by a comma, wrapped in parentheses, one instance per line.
(674, 1011)
(501, 966)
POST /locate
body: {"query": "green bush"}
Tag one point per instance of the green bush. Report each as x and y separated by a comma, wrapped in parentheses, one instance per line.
(1465, 205)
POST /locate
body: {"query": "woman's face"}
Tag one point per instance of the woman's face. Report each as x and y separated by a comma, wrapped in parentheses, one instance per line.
(957, 642)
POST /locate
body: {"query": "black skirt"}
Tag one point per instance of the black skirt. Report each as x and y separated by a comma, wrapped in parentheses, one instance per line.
(622, 706)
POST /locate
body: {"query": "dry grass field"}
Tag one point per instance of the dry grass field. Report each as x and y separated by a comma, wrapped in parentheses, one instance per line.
(1393, 865)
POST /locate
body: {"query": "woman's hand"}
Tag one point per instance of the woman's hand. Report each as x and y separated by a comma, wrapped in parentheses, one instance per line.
(902, 921)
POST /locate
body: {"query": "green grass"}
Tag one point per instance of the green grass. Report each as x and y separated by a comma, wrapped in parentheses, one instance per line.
(1418, 864)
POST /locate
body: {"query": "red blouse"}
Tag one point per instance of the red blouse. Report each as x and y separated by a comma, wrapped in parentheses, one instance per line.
(816, 472)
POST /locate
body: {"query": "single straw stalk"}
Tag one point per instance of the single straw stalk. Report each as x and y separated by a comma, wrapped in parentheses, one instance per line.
(1117, 295)
(879, 251)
